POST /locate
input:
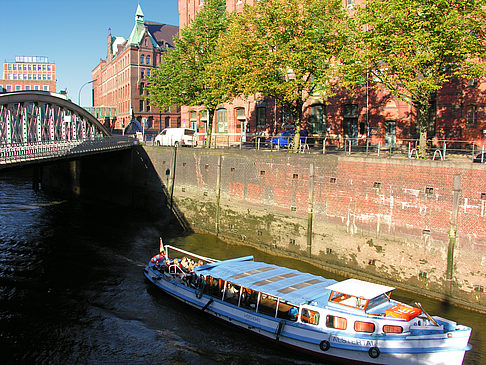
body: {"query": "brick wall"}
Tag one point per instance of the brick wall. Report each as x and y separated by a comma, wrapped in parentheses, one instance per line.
(386, 220)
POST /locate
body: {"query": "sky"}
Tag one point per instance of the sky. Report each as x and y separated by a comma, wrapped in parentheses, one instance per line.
(73, 33)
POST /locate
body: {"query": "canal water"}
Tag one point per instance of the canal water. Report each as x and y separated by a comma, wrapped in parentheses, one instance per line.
(72, 290)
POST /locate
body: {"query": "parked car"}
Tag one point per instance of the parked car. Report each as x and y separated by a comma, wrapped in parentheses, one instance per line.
(283, 139)
(481, 158)
(176, 137)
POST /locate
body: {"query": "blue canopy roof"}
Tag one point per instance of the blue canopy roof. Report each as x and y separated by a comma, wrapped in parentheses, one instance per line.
(290, 285)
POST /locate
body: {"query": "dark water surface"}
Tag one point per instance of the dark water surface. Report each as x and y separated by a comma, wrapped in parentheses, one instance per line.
(72, 291)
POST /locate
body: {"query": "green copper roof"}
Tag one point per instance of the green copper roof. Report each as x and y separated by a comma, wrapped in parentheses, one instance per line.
(139, 31)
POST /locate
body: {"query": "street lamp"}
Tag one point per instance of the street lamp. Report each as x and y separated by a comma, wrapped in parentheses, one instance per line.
(81, 88)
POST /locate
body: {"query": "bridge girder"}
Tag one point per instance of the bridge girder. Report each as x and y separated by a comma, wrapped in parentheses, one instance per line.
(43, 117)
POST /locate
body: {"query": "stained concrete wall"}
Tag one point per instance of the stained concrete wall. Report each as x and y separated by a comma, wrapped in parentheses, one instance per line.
(386, 220)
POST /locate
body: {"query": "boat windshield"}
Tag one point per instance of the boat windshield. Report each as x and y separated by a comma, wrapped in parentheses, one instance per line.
(378, 300)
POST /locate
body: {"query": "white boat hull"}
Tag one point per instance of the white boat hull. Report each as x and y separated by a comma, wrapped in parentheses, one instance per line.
(403, 349)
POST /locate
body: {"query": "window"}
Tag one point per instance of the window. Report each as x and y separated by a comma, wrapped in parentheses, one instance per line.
(287, 311)
(148, 107)
(15, 66)
(27, 87)
(30, 68)
(392, 329)
(367, 327)
(142, 73)
(17, 88)
(141, 105)
(178, 122)
(36, 87)
(221, 121)
(148, 60)
(141, 88)
(10, 66)
(142, 60)
(261, 118)
(148, 72)
(249, 299)
(49, 77)
(309, 316)
(336, 322)
(34, 67)
(167, 122)
(471, 115)
(232, 293)
(45, 87)
(267, 305)
(317, 119)
(9, 88)
(48, 68)
(193, 120)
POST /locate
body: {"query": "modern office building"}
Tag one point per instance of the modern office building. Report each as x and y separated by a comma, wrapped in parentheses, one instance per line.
(26, 73)
(119, 81)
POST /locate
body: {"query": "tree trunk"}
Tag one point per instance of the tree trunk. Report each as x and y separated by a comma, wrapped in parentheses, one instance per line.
(298, 125)
(422, 124)
(210, 127)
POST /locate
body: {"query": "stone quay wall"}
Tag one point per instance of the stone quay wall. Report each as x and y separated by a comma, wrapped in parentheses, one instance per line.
(417, 225)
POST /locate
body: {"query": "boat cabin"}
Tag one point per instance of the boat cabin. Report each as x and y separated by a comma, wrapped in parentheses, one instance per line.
(359, 294)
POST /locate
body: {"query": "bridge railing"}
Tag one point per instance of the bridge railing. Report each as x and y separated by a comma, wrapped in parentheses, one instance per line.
(17, 153)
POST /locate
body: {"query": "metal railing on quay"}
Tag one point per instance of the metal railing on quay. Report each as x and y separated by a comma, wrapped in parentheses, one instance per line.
(392, 147)
(17, 153)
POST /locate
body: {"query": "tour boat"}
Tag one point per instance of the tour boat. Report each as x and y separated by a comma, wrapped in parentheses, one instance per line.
(351, 321)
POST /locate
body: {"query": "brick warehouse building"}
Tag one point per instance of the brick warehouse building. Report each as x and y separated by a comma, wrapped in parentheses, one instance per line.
(29, 73)
(119, 81)
(374, 113)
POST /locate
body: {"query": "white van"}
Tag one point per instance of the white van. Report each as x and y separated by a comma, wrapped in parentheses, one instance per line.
(176, 137)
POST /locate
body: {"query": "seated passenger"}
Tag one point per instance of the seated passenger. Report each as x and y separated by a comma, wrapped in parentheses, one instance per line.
(293, 313)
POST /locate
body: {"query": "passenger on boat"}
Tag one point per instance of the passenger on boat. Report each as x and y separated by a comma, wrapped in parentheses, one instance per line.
(293, 313)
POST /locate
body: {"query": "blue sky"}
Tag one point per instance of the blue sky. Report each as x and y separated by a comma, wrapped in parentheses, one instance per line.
(73, 33)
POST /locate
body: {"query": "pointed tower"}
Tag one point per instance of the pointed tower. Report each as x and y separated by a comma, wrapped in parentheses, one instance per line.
(139, 15)
(110, 46)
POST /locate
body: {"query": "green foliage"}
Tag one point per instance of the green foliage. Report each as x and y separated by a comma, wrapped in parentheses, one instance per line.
(279, 48)
(413, 47)
(182, 76)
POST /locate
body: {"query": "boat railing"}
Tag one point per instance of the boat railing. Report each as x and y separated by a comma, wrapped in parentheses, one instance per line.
(206, 259)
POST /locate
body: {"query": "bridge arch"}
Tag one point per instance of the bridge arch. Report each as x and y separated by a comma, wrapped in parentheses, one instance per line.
(43, 117)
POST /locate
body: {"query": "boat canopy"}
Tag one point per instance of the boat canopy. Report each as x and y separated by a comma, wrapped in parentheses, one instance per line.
(359, 288)
(290, 285)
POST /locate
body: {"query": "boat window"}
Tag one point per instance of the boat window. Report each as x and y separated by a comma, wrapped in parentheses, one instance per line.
(336, 322)
(392, 329)
(348, 300)
(364, 327)
(287, 311)
(378, 300)
(207, 282)
(249, 299)
(309, 316)
(267, 305)
(216, 288)
(232, 293)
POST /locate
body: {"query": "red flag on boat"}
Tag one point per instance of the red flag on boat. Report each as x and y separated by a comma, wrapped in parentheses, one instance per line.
(162, 249)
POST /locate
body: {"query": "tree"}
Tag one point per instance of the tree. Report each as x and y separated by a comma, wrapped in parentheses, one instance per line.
(279, 48)
(182, 76)
(413, 47)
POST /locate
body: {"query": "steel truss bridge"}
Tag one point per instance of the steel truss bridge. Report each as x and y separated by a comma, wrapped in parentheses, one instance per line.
(41, 126)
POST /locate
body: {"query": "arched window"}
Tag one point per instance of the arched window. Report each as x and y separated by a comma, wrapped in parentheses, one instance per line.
(148, 60)
(142, 60)
(221, 121)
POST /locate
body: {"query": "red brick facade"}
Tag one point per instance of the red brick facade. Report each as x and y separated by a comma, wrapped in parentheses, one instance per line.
(120, 79)
(460, 109)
